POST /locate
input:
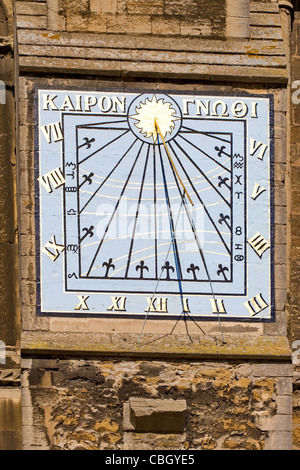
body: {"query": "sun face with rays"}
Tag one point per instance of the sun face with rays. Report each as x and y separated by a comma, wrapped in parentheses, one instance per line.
(150, 112)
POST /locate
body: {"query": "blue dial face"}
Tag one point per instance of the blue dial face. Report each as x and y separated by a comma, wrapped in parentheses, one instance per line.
(154, 203)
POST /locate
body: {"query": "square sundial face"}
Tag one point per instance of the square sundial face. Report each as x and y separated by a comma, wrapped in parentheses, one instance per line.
(153, 204)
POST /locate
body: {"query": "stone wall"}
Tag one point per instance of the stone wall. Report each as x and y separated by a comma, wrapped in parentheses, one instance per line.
(169, 18)
(132, 50)
(79, 404)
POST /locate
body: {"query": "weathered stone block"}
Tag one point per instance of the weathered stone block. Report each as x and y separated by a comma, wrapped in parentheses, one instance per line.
(295, 154)
(10, 424)
(142, 7)
(103, 6)
(150, 441)
(154, 415)
(269, 370)
(32, 22)
(274, 423)
(182, 8)
(284, 404)
(31, 8)
(279, 440)
(296, 114)
(93, 23)
(125, 24)
(55, 19)
(295, 201)
(165, 27)
(237, 28)
(284, 386)
(295, 134)
(295, 228)
(195, 28)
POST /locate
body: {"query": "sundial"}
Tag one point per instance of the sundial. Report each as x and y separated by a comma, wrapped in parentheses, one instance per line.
(152, 203)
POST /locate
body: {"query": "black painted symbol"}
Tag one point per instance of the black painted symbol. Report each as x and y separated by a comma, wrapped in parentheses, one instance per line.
(238, 193)
(238, 179)
(224, 181)
(221, 151)
(88, 231)
(224, 218)
(71, 275)
(71, 165)
(87, 143)
(109, 265)
(72, 247)
(193, 269)
(238, 165)
(141, 267)
(222, 270)
(168, 268)
(72, 175)
(87, 179)
(71, 212)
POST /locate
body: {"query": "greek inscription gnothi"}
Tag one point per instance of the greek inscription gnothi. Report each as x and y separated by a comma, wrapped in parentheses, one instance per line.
(153, 204)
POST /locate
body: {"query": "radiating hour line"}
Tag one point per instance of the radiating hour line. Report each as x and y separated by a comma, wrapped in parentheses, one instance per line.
(95, 125)
(209, 134)
(104, 146)
(202, 257)
(108, 176)
(172, 227)
(190, 220)
(182, 195)
(137, 213)
(155, 211)
(204, 153)
(201, 172)
(203, 205)
(115, 209)
(109, 128)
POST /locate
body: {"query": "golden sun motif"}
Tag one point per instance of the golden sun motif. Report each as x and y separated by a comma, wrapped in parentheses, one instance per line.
(155, 111)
